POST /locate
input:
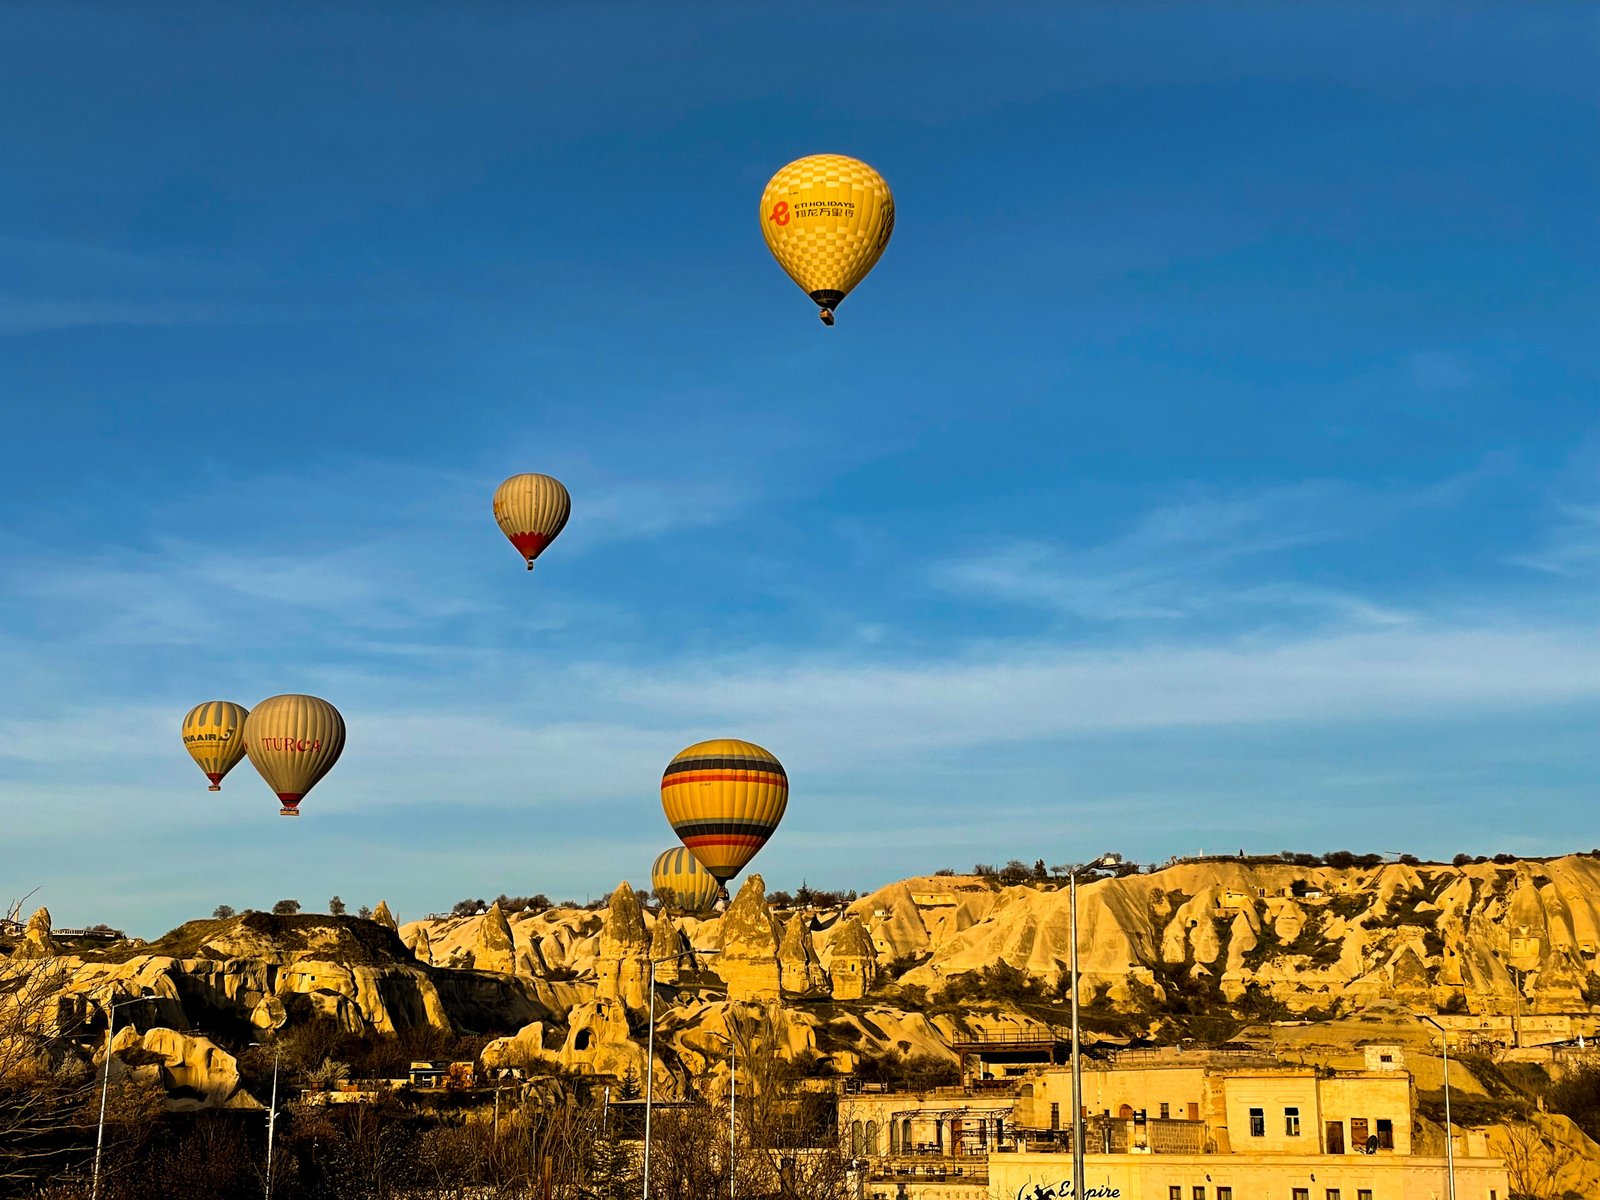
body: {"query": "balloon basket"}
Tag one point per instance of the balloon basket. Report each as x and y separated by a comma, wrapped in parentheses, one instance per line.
(288, 812)
(827, 316)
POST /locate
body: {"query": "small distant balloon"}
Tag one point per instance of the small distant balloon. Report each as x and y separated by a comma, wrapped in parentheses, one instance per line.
(293, 741)
(532, 510)
(827, 219)
(679, 882)
(213, 734)
(724, 798)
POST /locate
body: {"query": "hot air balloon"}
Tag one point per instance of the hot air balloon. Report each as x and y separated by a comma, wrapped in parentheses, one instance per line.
(531, 509)
(681, 883)
(724, 798)
(293, 741)
(212, 734)
(826, 219)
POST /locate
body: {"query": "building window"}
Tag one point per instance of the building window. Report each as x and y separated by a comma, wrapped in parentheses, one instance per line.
(1301, 1194)
(1175, 1192)
(1224, 1193)
(1291, 1122)
(1385, 1134)
(1164, 1113)
(1359, 1136)
(1333, 1194)
(1258, 1122)
(855, 1139)
(871, 1148)
(1366, 1194)
(1055, 1117)
(1199, 1192)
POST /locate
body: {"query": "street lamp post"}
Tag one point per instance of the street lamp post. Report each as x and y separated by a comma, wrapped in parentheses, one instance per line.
(733, 1100)
(1449, 1141)
(650, 1058)
(272, 1111)
(1077, 1065)
(105, 1090)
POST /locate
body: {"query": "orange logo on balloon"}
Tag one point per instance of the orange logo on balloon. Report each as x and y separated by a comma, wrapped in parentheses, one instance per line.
(780, 212)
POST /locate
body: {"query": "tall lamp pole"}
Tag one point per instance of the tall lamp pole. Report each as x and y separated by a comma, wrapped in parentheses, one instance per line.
(272, 1111)
(105, 1090)
(733, 1099)
(1449, 1141)
(650, 1057)
(1077, 1065)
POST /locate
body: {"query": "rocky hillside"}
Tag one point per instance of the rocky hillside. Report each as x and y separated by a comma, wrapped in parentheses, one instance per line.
(1324, 938)
(899, 973)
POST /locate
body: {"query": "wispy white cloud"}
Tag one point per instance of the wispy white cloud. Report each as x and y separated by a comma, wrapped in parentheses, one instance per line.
(846, 712)
(1439, 371)
(1175, 561)
(1572, 547)
(613, 511)
(20, 316)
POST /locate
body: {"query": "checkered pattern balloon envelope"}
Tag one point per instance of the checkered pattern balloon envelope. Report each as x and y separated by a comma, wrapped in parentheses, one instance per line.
(827, 218)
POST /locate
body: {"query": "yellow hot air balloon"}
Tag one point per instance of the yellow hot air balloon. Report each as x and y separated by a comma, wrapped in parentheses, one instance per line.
(724, 798)
(826, 219)
(681, 883)
(213, 736)
(532, 510)
(293, 741)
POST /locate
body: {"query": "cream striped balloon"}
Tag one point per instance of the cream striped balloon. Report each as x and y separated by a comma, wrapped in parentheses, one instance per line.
(213, 734)
(532, 510)
(293, 741)
(680, 883)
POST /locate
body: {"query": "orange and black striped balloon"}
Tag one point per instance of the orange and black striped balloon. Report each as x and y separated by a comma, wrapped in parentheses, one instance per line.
(724, 798)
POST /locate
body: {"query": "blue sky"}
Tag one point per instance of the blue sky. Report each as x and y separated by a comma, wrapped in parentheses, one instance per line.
(1212, 461)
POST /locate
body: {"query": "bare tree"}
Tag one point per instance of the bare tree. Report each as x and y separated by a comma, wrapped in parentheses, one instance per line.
(1535, 1160)
(45, 1085)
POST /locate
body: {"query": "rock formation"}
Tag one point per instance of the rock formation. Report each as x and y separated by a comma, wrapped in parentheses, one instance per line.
(623, 967)
(419, 944)
(799, 972)
(748, 963)
(194, 1072)
(522, 1051)
(36, 940)
(600, 1041)
(668, 950)
(496, 949)
(1491, 937)
(384, 917)
(853, 965)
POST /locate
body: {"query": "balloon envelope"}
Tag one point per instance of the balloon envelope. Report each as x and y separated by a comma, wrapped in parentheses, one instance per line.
(724, 798)
(213, 734)
(827, 219)
(681, 883)
(293, 741)
(531, 510)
